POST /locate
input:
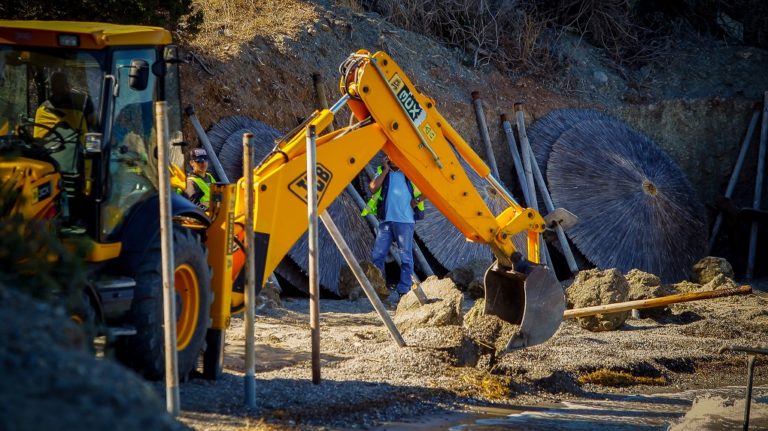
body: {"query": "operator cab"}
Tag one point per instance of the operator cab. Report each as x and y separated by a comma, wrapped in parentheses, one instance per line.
(81, 98)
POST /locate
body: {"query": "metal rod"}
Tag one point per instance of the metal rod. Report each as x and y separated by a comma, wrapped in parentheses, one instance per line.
(167, 263)
(748, 398)
(515, 157)
(481, 124)
(735, 175)
(655, 302)
(250, 275)
(220, 174)
(361, 278)
(314, 269)
(340, 103)
(758, 189)
(551, 207)
(525, 148)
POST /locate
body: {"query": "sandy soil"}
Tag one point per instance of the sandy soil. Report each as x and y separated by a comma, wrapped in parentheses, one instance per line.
(367, 380)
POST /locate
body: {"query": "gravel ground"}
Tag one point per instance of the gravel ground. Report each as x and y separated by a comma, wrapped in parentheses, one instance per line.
(367, 380)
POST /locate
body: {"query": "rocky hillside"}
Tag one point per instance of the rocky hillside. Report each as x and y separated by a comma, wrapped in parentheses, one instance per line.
(257, 58)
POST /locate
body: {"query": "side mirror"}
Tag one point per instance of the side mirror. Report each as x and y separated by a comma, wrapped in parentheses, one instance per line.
(138, 75)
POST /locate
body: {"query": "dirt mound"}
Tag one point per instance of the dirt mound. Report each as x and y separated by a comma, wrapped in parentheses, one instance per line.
(52, 381)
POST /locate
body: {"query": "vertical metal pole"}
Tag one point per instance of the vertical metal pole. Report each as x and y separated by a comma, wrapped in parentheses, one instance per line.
(314, 279)
(748, 400)
(734, 176)
(515, 158)
(758, 188)
(250, 275)
(481, 124)
(361, 278)
(166, 247)
(525, 151)
(551, 207)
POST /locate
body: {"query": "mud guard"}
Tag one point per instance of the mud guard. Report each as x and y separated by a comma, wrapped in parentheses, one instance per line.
(535, 302)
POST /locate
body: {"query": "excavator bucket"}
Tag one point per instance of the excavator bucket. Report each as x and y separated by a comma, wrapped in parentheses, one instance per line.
(535, 302)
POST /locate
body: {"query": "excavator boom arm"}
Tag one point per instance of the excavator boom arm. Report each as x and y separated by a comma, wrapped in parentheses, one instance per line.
(394, 117)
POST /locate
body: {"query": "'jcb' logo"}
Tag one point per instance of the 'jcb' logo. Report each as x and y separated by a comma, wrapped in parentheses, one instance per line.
(300, 188)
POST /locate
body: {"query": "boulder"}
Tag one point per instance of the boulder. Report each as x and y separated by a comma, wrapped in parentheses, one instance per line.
(443, 309)
(599, 287)
(350, 288)
(710, 267)
(269, 296)
(643, 285)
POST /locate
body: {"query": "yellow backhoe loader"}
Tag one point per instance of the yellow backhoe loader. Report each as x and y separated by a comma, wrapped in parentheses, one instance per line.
(88, 161)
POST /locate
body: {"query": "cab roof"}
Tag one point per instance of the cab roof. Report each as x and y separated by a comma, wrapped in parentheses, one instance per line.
(90, 35)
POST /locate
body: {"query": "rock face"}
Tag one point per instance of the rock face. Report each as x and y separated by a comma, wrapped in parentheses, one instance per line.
(443, 309)
(350, 288)
(710, 267)
(595, 287)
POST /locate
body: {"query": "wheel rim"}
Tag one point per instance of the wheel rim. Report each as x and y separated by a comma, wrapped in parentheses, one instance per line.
(188, 293)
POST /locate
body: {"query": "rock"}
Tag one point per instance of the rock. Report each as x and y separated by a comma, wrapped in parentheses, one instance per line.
(686, 287)
(719, 282)
(600, 77)
(643, 285)
(270, 296)
(443, 309)
(350, 288)
(709, 267)
(595, 287)
(461, 276)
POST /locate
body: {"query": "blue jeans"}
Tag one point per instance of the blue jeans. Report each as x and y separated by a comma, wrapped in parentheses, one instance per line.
(402, 235)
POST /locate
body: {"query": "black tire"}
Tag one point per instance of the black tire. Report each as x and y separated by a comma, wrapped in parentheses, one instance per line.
(144, 352)
(213, 358)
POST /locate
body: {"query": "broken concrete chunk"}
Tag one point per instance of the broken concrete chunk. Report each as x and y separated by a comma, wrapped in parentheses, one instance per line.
(710, 267)
(720, 281)
(643, 285)
(443, 309)
(597, 287)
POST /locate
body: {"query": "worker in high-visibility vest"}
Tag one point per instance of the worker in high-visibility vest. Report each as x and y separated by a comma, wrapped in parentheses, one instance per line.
(402, 204)
(199, 180)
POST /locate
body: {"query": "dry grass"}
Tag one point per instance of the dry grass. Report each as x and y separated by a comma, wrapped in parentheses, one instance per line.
(523, 35)
(620, 378)
(490, 386)
(231, 23)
